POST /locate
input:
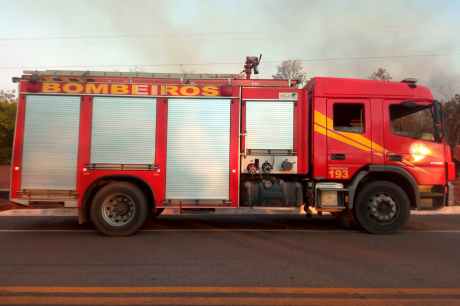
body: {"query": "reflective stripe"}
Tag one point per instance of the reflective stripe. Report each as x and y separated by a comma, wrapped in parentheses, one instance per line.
(324, 125)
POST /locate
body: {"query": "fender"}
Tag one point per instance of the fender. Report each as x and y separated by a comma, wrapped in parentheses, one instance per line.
(89, 192)
(386, 169)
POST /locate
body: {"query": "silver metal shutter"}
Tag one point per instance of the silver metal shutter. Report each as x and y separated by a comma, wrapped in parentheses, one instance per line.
(198, 149)
(123, 130)
(50, 146)
(269, 125)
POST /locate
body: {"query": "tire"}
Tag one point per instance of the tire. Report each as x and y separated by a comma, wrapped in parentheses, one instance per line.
(381, 207)
(119, 209)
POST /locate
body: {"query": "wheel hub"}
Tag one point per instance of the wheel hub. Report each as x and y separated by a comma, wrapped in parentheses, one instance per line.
(382, 207)
(118, 209)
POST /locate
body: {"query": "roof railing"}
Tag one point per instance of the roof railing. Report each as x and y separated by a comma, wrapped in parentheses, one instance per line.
(79, 73)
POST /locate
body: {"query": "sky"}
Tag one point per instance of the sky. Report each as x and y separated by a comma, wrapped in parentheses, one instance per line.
(332, 38)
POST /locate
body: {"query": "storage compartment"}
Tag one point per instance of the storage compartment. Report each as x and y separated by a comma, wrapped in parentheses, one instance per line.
(50, 147)
(123, 130)
(269, 125)
(198, 150)
(269, 146)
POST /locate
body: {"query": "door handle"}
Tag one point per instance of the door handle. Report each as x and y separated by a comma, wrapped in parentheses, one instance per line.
(338, 156)
(395, 157)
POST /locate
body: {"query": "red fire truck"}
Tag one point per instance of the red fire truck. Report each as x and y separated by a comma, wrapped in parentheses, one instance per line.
(121, 147)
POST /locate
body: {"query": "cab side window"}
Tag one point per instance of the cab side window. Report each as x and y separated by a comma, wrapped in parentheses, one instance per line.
(414, 121)
(349, 117)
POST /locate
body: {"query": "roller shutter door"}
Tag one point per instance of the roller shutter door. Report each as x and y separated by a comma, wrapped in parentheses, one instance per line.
(269, 125)
(50, 146)
(123, 130)
(198, 149)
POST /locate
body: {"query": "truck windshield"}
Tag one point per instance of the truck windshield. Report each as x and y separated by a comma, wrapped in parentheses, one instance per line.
(413, 120)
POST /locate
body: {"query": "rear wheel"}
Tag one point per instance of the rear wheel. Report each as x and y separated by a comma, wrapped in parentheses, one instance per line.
(119, 209)
(382, 207)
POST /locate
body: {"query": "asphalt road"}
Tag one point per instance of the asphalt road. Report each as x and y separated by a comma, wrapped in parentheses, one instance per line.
(229, 260)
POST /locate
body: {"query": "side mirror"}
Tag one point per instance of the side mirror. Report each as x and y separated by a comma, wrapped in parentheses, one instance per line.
(437, 111)
(437, 118)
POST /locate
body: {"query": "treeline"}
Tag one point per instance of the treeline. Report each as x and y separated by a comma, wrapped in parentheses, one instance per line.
(452, 120)
(8, 105)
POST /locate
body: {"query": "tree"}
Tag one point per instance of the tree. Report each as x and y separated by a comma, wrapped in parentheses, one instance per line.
(291, 70)
(381, 74)
(8, 106)
(451, 120)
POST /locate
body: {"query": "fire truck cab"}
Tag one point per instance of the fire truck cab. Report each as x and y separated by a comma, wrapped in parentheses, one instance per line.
(121, 147)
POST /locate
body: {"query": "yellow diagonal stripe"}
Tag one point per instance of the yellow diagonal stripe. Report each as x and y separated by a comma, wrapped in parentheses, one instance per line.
(218, 301)
(326, 125)
(260, 296)
(338, 137)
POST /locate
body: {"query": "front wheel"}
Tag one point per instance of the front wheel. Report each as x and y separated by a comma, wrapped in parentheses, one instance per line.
(382, 207)
(119, 209)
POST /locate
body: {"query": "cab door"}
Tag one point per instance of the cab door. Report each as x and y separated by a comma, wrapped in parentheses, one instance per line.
(349, 145)
(411, 142)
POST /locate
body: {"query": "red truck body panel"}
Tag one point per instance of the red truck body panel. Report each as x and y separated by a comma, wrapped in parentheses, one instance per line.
(317, 145)
(378, 142)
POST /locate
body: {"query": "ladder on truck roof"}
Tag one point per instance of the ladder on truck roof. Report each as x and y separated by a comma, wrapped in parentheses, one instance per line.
(91, 76)
(80, 73)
